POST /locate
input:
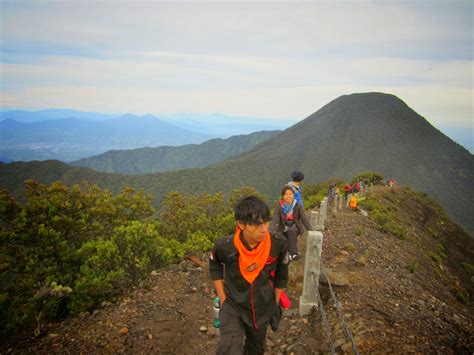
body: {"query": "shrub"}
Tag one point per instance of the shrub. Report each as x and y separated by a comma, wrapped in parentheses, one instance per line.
(184, 214)
(239, 193)
(197, 242)
(371, 176)
(349, 246)
(61, 239)
(385, 217)
(102, 274)
(315, 193)
(141, 248)
(435, 257)
(469, 268)
(66, 249)
(413, 266)
(395, 229)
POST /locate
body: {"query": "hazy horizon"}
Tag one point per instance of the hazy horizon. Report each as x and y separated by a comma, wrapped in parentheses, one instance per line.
(282, 60)
(459, 135)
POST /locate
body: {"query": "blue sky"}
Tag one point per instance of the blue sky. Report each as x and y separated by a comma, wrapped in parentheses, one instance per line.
(260, 58)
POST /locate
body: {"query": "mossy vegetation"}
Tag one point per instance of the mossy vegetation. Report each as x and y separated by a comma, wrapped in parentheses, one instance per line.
(359, 231)
(435, 257)
(413, 266)
(469, 268)
(385, 216)
(455, 288)
(350, 247)
(451, 282)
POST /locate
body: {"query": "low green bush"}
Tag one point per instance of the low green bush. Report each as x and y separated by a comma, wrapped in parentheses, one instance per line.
(315, 193)
(435, 257)
(469, 268)
(413, 266)
(349, 247)
(370, 176)
(66, 249)
(385, 217)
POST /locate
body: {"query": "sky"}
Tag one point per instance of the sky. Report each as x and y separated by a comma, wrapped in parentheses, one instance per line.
(283, 60)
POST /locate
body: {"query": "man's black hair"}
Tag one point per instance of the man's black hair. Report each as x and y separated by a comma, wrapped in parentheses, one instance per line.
(297, 176)
(252, 210)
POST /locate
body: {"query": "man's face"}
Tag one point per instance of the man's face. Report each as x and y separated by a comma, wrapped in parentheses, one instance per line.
(254, 233)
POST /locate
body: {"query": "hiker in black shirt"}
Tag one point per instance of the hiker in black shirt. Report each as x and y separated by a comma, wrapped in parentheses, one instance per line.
(241, 266)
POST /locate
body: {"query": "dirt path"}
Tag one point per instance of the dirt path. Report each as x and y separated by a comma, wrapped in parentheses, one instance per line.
(170, 313)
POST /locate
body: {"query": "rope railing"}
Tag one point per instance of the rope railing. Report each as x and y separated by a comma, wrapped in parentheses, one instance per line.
(312, 273)
(325, 321)
(347, 330)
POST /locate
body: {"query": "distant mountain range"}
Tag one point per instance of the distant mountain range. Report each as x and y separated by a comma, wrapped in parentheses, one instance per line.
(73, 138)
(70, 135)
(53, 114)
(166, 158)
(353, 133)
(224, 126)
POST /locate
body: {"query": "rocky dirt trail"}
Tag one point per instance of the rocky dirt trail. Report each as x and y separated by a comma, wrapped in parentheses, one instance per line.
(170, 313)
(388, 308)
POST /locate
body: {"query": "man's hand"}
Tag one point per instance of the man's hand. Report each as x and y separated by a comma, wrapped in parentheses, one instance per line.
(219, 286)
(278, 292)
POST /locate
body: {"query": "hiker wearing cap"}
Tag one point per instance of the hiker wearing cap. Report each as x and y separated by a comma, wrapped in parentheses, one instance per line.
(347, 190)
(289, 218)
(249, 270)
(297, 177)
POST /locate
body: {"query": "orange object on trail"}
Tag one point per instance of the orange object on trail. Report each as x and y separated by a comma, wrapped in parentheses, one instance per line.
(353, 202)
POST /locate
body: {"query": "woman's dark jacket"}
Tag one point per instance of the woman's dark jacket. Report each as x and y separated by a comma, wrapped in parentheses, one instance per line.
(278, 220)
(256, 303)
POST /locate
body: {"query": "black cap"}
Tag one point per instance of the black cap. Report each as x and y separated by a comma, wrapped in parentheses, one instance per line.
(297, 176)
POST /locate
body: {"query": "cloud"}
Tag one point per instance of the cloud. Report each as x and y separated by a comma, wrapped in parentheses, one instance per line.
(283, 60)
(263, 29)
(189, 71)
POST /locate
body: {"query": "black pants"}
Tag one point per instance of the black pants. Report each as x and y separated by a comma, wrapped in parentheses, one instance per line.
(292, 237)
(232, 330)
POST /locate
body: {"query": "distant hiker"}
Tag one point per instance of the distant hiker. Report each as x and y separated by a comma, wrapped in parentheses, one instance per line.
(289, 218)
(241, 267)
(332, 194)
(353, 202)
(297, 177)
(392, 182)
(347, 190)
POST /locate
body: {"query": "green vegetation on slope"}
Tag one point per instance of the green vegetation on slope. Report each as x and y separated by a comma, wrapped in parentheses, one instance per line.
(166, 158)
(66, 249)
(384, 212)
(353, 133)
(415, 217)
(421, 223)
